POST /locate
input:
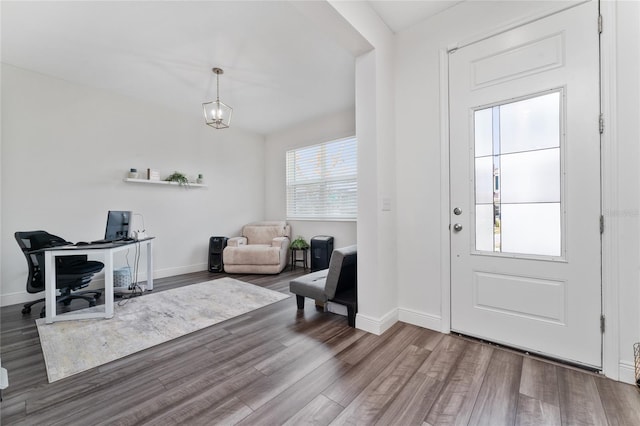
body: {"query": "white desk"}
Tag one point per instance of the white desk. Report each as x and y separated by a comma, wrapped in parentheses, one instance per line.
(107, 249)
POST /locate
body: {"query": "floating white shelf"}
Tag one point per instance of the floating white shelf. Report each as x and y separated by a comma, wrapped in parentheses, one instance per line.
(164, 182)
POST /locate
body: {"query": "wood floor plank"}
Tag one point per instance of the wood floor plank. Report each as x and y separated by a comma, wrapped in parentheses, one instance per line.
(319, 412)
(371, 403)
(91, 408)
(535, 412)
(417, 397)
(221, 381)
(230, 412)
(580, 403)
(368, 344)
(621, 402)
(280, 365)
(312, 342)
(216, 386)
(456, 400)
(358, 378)
(294, 398)
(242, 360)
(271, 386)
(206, 407)
(540, 381)
(497, 401)
(12, 411)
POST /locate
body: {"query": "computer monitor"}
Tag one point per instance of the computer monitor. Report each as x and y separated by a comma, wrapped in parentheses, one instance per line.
(117, 225)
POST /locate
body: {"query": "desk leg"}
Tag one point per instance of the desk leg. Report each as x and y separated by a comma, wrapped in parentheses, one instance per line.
(108, 284)
(50, 286)
(149, 265)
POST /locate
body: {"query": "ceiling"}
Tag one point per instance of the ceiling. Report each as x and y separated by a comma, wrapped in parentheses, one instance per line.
(401, 14)
(280, 67)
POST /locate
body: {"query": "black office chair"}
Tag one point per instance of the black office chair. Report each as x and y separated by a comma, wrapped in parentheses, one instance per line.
(72, 272)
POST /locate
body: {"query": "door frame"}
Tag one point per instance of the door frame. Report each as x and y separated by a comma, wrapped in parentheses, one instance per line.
(608, 153)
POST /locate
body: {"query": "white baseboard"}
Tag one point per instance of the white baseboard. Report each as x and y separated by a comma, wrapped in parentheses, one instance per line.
(380, 325)
(179, 270)
(19, 297)
(97, 283)
(377, 326)
(421, 319)
(627, 372)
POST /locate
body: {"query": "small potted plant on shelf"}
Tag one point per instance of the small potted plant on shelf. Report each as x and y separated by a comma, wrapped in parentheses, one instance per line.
(299, 244)
(179, 178)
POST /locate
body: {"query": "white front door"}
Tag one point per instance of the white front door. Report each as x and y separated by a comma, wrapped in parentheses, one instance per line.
(525, 187)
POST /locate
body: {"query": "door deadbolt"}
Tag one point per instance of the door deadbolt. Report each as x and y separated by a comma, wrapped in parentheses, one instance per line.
(457, 211)
(457, 227)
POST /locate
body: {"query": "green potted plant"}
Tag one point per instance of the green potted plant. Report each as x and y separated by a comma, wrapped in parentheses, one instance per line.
(178, 177)
(299, 244)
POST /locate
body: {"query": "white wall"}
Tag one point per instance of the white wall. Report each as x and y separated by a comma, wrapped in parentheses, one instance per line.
(375, 129)
(323, 129)
(66, 149)
(422, 255)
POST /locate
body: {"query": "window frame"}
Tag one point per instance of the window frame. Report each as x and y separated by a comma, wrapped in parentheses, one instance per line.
(344, 184)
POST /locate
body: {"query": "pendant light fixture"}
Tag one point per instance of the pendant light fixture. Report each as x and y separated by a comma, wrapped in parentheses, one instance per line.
(216, 113)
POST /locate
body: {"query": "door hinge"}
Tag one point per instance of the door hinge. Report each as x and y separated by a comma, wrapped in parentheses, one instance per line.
(601, 123)
(601, 224)
(602, 324)
(599, 24)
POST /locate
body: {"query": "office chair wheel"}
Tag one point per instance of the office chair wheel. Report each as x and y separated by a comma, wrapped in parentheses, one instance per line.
(92, 303)
(26, 310)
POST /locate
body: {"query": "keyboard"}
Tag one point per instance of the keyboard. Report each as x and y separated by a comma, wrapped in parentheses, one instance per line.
(119, 240)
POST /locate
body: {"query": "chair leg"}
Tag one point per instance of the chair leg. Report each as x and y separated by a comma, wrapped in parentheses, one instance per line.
(96, 294)
(300, 301)
(27, 306)
(351, 315)
(64, 299)
(91, 300)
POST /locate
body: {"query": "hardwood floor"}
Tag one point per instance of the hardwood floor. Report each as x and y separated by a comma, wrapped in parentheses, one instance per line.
(278, 365)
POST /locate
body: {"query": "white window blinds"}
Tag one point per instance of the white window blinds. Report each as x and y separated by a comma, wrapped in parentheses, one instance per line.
(322, 181)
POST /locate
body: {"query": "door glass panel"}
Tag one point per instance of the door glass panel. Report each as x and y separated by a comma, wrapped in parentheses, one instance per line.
(530, 176)
(530, 124)
(483, 132)
(484, 180)
(517, 176)
(531, 228)
(485, 239)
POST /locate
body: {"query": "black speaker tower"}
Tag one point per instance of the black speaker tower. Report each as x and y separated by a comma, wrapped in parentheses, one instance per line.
(321, 249)
(216, 247)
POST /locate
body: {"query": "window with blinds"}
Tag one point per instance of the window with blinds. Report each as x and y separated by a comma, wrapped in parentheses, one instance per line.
(322, 181)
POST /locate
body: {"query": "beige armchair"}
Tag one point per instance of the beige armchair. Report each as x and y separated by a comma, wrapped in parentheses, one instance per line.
(262, 249)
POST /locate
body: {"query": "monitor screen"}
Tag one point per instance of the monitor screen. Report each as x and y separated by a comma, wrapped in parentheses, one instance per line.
(117, 225)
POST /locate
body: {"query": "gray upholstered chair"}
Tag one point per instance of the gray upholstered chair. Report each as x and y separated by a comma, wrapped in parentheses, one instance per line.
(338, 284)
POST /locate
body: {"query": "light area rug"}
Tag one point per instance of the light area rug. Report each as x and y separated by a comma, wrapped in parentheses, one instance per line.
(70, 347)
